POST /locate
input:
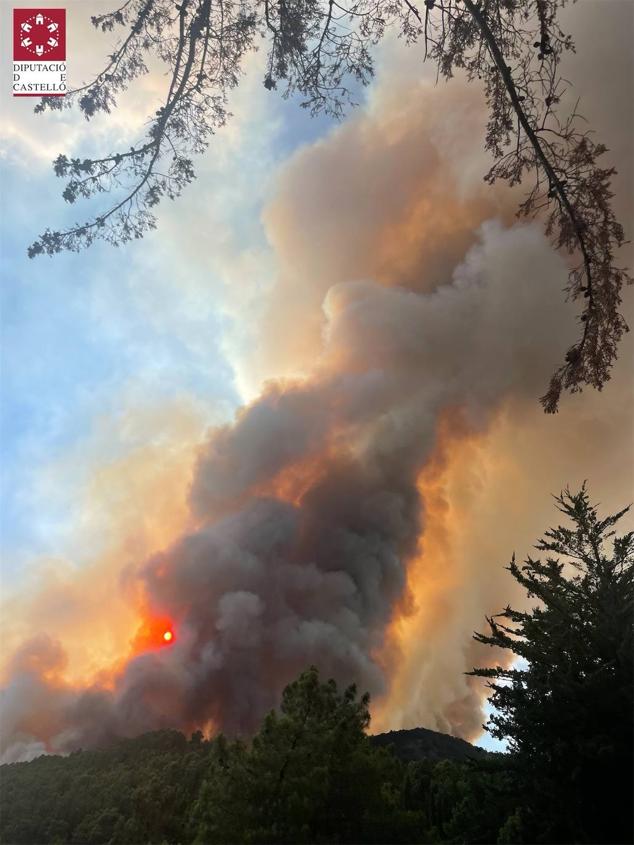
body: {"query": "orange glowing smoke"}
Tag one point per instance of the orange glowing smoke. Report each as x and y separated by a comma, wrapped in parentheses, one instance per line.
(153, 633)
(429, 641)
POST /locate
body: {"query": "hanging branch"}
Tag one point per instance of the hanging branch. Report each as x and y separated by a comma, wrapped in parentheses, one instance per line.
(314, 46)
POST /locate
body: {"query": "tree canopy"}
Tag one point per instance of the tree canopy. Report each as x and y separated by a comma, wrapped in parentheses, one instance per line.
(310, 775)
(567, 708)
(319, 50)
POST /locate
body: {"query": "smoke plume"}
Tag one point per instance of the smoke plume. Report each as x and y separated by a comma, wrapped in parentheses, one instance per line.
(357, 514)
(309, 509)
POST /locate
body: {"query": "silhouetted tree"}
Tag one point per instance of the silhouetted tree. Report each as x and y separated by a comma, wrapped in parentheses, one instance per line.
(314, 47)
(310, 775)
(567, 708)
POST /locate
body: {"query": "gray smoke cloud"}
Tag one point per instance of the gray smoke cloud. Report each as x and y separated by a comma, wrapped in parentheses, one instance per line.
(266, 586)
(398, 307)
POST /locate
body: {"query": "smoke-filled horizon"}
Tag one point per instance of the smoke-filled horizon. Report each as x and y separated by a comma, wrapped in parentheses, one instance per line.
(358, 512)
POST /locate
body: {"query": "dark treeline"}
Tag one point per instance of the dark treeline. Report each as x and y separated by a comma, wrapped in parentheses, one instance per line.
(312, 774)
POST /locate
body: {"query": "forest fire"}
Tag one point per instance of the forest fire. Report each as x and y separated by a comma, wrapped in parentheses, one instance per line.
(356, 513)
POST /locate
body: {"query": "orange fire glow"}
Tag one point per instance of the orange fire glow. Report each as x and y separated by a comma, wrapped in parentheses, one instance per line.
(434, 575)
(153, 633)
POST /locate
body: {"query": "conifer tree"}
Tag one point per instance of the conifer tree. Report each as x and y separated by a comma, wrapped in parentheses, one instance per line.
(310, 775)
(566, 705)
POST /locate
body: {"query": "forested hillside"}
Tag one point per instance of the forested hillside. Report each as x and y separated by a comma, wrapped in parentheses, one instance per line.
(161, 787)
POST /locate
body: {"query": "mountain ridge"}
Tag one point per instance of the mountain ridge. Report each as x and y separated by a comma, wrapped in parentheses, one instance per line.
(425, 744)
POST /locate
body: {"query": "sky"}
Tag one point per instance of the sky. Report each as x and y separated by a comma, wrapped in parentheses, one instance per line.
(332, 313)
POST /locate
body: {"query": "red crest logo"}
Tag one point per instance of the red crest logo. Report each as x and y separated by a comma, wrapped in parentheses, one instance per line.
(39, 35)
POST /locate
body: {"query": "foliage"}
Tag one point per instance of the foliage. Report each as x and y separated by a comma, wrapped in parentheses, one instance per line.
(314, 47)
(140, 790)
(567, 710)
(460, 801)
(311, 774)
